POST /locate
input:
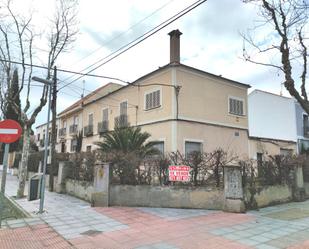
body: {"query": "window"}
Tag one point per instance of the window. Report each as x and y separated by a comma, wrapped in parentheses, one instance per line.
(64, 124)
(259, 159)
(152, 100)
(73, 145)
(286, 152)
(75, 120)
(192, 147)
(39, 137)
(306, 125)
(88, 148)
(159, 146)
(105, 115)
(236, 106)
(123, 108)
(90, 119)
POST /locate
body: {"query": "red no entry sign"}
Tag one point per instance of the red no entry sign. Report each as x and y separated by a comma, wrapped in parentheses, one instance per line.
(10, 131)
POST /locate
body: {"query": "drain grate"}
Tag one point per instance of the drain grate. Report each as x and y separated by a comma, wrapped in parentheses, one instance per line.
(91, 232)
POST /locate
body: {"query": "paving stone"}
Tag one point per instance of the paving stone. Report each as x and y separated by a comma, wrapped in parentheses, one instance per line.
(260, 238)
(249, 242)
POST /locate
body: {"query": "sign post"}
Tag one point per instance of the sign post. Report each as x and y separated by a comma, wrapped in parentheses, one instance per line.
(10, 132)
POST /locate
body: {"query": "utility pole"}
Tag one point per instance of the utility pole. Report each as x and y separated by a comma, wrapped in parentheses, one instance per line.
(53, 132)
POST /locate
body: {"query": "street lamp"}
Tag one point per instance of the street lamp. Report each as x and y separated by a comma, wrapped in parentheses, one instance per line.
(42, 190)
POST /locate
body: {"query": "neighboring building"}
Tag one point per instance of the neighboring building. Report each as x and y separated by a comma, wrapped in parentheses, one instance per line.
(183, 108)
(40, 136)
(272, 124)
(302, 125)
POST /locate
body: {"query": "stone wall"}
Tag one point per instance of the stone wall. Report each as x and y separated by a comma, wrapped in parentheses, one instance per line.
(268, 195)
(169, 197)
(80, 189)
(306, 185)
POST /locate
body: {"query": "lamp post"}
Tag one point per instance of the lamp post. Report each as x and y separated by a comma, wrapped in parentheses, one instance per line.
(42, 190)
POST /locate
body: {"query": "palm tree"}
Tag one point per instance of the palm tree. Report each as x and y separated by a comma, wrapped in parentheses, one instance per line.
(125, 148)
(127, 140)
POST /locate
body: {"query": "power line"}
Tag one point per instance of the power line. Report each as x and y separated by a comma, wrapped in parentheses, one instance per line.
(121, 34)
(101, 95)
(64, 70)
(141, 38)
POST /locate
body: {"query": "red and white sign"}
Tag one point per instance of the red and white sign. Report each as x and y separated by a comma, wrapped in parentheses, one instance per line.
(179, 173)
(10, 131)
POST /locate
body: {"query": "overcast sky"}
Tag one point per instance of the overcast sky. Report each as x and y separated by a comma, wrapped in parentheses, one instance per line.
(211, 41)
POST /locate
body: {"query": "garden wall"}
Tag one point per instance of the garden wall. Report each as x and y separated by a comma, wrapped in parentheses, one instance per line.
(168, 197)
(80, 189)
(306, 185)
(268, 195)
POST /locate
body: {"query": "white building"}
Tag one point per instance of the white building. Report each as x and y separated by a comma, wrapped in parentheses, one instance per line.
(40, 136)
(272, 124)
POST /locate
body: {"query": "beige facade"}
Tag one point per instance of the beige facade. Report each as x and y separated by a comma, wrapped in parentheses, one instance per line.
(265, 147)
(198, 114)
(183, 109)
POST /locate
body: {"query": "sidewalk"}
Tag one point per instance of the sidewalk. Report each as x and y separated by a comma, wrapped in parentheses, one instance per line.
(72, 223)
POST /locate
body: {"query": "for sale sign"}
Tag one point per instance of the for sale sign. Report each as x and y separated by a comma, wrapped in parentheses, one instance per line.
(179, 173)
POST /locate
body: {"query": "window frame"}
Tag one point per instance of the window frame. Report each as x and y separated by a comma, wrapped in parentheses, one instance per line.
(243, 106)
(106, 108)
(201, 142)
(150, 92)
(120, 107)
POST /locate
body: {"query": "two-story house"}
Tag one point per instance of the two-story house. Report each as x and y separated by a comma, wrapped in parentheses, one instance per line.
(72, 119)
(183, 108)
(272, 124)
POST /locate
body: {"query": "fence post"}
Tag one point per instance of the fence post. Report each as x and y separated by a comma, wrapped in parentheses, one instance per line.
(233, 190)
(299, 193)
(101, 182)
(65, 169)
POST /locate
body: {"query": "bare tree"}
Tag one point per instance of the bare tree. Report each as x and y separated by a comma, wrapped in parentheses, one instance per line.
(288, 22)
(17, 38)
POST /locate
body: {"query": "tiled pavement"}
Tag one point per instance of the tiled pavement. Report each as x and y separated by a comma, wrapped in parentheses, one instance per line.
(72, 223)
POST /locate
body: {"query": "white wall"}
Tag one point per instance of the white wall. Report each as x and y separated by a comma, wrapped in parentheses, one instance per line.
(271, 116)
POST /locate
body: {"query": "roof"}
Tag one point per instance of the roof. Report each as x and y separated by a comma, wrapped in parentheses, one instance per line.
(274, 94)
(57, 119)
(171, 66)
(82, 100)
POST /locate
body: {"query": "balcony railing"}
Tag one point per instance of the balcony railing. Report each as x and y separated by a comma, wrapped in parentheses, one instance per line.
(62, 132)
(88, 130)
(121, 121)
(73, 129)
(42, 142)
(102, 127)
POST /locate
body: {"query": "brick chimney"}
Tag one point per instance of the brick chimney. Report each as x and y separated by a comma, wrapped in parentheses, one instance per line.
(175, 46)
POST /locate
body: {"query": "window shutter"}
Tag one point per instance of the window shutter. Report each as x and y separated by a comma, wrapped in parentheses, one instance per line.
(152, 100)
(105, 115)
(123, 108)
(236, 106)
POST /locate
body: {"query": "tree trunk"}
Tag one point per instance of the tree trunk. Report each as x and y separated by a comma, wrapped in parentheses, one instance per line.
(24, 162)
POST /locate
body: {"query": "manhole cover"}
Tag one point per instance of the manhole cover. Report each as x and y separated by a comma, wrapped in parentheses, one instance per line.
(91, 232)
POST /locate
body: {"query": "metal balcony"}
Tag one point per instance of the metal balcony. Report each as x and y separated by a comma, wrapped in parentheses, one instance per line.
(73, 129)
(62, 132)
(88, 130)
(102, 127)
(121, 121)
